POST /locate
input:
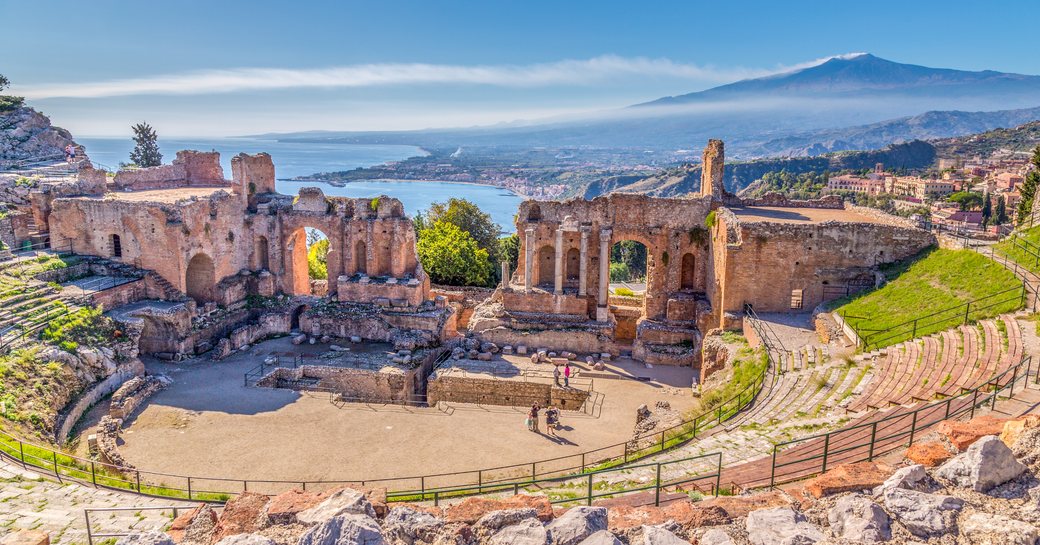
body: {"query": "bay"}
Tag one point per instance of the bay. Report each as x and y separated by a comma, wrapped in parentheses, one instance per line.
(293, 159)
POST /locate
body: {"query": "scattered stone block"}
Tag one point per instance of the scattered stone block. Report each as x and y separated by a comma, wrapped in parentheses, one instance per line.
(656, 535)
(605, 356)
(962, 434)
(849, 477)
(857, 518)
(910, 478)
(27, 537)
(507, 350)
(484, 356)
(340, 502)
(987, 528)
(243, 514)
(526, 532)
(715, 536)
(338, 348)
(299, 339)
(576, 524)
(145, 538)
(928, 453)
(1013, 429)
(348, 529)
(521, 350)
(781, 526)
(601, 537)
(924, 515)
(246, 539)
(355, 339)
(987, 463)
(409, 525)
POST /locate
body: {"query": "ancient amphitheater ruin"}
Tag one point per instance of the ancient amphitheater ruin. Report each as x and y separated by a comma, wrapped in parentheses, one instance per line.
(235, 377)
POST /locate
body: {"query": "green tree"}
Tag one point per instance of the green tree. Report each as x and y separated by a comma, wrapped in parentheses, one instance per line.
(1000, 216)
(987, 210)
(146, 146)
(451, 256)
(4, 82)
(468, 217)
(1028, 189)
(969, 200)
(509, 250)
(633, 255)
(619, 272)
(317, 259)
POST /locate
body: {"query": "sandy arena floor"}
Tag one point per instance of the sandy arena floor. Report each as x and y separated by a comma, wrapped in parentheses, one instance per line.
(209, 424)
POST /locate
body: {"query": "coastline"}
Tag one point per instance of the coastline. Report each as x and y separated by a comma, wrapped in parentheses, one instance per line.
(408, 180)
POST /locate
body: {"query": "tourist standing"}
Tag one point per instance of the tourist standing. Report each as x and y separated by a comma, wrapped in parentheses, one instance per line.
(68, 153)
(556, 375)
(567, 375)
(533, 417)
(552, 420)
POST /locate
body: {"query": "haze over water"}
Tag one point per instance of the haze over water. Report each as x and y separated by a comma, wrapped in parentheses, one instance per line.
(293, 159)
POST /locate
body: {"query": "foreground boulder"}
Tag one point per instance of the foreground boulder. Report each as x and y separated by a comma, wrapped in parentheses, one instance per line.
(146, 538)
(910, 478)
(924, 515)
(656, 535)
(195, 526)
(470, 510)
(781, 526)
(928, 453)
(602, 537)
(987, 463)
(1013, 429)
(243, 514)
(283, 508)
(350, 529)
(246, 539)
(529, 531)
(848, 478)
(406, 525)
(984, 528)
(340, 502)
(494, 521)
(963, 434)
(626, 521)
(859, 519)
(715, 536)
(577, 524)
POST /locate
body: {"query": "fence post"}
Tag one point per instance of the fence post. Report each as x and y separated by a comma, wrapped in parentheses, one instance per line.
(913, 428)
(138, 481)
(914, 334)
(826, 450)
(93, 474)
(772, 469)
(718, 475)
(422, 487)
(583, 462)
(54, 457)
(873, 437)
(588, 500)
(974, 401)
(21, 453)
(657, 487)
(967, 309)
(189, 488)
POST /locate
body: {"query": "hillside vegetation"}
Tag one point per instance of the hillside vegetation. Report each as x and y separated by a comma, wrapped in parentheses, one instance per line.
(934, 289)
(1023, 138)
(1025, 251)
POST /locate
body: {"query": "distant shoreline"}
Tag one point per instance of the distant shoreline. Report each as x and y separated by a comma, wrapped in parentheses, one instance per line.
(344, 183)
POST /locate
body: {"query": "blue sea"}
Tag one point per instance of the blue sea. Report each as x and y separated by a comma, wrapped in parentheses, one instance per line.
(293, 159)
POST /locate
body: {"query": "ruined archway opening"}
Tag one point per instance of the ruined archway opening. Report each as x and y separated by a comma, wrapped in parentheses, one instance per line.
(628, 273)
(261, 255)
(545, 267)
(200, 278)
(310, 250)
(688, 273)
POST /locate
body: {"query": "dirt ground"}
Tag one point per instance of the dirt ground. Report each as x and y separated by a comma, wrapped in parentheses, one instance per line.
(207, 423)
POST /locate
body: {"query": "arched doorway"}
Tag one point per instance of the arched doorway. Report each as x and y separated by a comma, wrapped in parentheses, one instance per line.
(546, 266)
(573, 264)
(199, 279)
(628, 276)
(117, 246)
(310, 251)
(260, 254)
(296, 313)
(361, 257)
(688, 278)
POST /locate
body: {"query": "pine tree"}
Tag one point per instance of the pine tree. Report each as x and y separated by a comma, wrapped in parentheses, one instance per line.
(1000, 216)
(146, 151)
(1028, 190)
(987, 210)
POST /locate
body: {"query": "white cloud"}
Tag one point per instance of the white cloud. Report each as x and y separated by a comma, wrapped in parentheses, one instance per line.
(597, 70)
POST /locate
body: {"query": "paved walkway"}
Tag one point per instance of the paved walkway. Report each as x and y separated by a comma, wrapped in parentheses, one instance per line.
(31, 502)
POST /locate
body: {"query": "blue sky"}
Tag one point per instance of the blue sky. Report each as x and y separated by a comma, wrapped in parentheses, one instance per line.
(229, 67)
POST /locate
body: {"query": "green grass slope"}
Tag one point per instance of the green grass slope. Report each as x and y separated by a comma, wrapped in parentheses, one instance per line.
(934, 289)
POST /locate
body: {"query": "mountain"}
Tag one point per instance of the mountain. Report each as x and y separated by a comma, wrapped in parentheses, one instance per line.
(1022, 140)
(751, 115)
(926, 126)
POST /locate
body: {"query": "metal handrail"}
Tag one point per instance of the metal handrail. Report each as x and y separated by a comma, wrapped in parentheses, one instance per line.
(875, 447)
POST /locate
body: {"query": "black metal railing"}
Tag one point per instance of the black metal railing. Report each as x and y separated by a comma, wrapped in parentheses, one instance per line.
(808, 456)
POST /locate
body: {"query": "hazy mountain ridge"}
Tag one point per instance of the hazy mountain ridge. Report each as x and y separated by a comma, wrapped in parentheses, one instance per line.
(827, 107)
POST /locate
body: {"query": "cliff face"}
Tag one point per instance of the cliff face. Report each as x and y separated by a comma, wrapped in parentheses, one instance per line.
(28, 134)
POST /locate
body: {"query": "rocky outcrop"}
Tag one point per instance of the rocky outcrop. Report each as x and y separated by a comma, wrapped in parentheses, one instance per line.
(986, 464)
(28, 134)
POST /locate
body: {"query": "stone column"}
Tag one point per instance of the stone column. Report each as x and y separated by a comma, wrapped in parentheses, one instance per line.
(583, 283)
(604, 274)
(558, 276)
(528, 258)
(505, 275)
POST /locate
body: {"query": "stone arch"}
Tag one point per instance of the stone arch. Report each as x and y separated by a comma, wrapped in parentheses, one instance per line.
(688, 275)
(294, 322)
(546, 265)
(361, 257)
(261, 260)
(573, 264)
(200, 278)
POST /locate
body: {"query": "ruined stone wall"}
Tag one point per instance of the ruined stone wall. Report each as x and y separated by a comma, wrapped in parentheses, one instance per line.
(712, 168)
(669, 228)
(389, 385)
(510, 393)
(769, 261)
(777, 199)
(190, 168)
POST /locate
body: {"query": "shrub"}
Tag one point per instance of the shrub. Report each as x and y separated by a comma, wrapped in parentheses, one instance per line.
(624, 292)
(87, 326)
(709, 220)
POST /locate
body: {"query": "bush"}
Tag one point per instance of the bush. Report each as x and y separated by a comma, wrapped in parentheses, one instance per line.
(619, 272)
(87, 326)
(10, 103)
(317, 259)
(624, 292)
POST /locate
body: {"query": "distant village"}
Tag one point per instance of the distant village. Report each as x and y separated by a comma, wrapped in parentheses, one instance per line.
(972, 196)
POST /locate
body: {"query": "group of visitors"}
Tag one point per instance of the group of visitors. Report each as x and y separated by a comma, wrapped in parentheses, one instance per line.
(566, 375)
(552, 419)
